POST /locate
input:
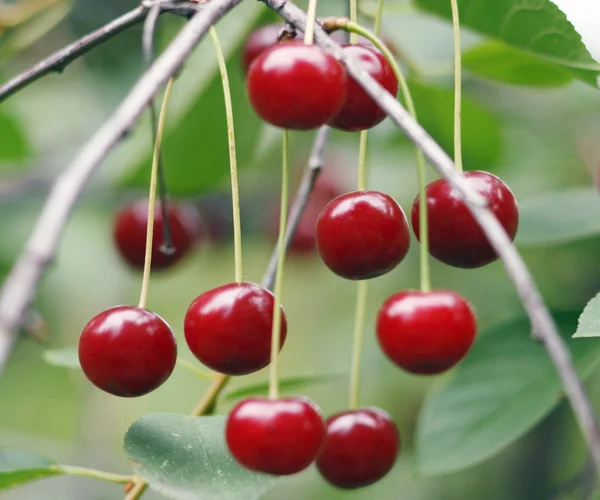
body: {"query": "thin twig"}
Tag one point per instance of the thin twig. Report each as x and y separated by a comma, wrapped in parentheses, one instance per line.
(543, 326)
(58, 61)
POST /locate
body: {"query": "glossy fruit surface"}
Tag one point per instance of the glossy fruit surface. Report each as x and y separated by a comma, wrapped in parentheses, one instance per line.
(258, 41)
(296, 86)
(229, 328)
(360, 111)
(426, 333)
(280, 437)
(455, 238)
(130, 233)
(360, 447)
(362, 234)
(127, 351)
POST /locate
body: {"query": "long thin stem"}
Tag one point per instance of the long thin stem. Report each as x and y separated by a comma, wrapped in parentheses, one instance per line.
(278, 292)
(96, 474)
(457, 87)
(378, 18)
(310, 26)
(235, 191)
(362, 161)
(353, 17)
(359, 330)
(152, 195)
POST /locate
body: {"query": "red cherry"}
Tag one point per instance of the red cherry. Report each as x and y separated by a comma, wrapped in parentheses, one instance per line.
(455, 238)
(127, 351)
(258, 41)
(229, 328)
(426, 332)
(362, 235)
(130, 233)
(360, 111)
(360, 447)
(280, 437)
(296, 86)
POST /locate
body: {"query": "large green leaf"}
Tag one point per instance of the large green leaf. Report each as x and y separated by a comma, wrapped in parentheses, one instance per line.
(589, 321)
(535, 26)
(499, 62)
(195, 146)
(17, 467)
(559, 217)
(187, 459)
(481, 140)
(502, 389)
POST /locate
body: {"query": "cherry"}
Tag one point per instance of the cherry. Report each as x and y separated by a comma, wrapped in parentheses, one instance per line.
(229, 328)
(362, 234)
(258, 41)
(455, 238)
(360, 111)
(360, 447)
(426, 332)
(280, 436)
(127, 351)
(130, 233)
(296, 86)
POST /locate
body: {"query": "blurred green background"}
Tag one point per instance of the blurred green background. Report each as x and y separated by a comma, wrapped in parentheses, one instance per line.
(537, 139)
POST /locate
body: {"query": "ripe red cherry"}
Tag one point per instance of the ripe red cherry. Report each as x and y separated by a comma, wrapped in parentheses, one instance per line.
(455, 238)
(130, 233)
(426, 332)
(296, 86)
(258, 41)
(127, 351)
(229, 328)
(360, 447)
(362, 235)
(360, 111)
(280, 437)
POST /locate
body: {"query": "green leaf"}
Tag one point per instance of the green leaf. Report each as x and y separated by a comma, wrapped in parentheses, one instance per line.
(186, 458)
(18, 467)
(481, 141)
(559, 217)
(589, 321)
(285, 385)
(535, 26)
(499, 62)
(14, 145)
(195, 148)
(502, 389)
(65, 358)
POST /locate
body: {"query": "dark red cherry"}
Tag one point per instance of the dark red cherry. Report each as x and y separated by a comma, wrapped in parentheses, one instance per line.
(360, 447)
(296, 86)
(127, 351)
(280, 436)
(360, 111)
(362, 234)
(258, 41)
(455, 238)
(130, 233)
(426, 332)
(229, 328)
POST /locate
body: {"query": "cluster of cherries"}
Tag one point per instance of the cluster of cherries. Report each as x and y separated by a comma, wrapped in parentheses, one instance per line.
(130, 351)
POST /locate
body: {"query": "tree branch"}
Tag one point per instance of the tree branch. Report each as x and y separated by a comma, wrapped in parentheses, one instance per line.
(58, 61)
(543, 327)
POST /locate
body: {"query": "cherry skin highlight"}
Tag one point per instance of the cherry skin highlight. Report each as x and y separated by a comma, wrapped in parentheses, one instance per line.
(258, 41)
(127, 351)
(360, 447)
(360, 112)
(130, 233)
(279, 436)
(455, 238)
(426, 333)
(229, 328)
(296, 86)
(362, 234)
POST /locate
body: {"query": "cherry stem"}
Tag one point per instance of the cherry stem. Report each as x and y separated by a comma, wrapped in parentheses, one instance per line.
(235, 191)
(457, 87)
(195, 370)
(96, 474)
(359, 330)
(378, 17)
(354, 18)
(278, 289)
(404, 89)
(152, 195)
(309, 34)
